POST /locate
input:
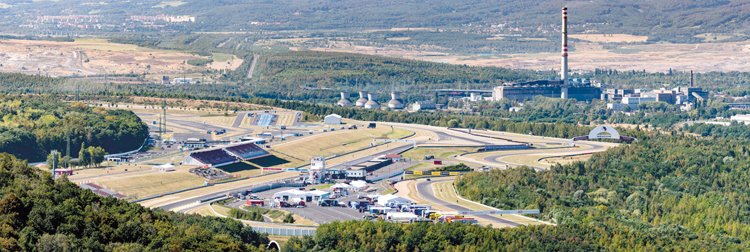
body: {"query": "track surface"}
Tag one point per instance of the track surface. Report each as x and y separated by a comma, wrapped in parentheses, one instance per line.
(424, 189)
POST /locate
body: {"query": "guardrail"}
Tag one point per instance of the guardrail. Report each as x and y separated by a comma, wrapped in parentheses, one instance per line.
(285, 231)
(436, 173)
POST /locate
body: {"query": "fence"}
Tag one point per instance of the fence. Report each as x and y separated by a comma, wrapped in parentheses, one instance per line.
(290, 231)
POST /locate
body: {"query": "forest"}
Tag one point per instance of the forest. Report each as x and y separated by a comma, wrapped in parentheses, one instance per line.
(32, 126)
(664, 192)
(38, 213)
(670, 20)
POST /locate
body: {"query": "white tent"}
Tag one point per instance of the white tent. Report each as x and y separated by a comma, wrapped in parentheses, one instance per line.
(165, 168)
(359, 184)
(343, 186)
(332, 119)
(391, 200)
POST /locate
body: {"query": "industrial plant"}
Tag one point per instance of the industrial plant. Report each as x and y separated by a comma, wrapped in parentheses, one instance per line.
(565, 88)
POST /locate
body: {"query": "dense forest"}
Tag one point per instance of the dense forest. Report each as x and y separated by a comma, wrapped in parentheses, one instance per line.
(386, 236)
(32, 126)
(665, 192)
(670, 20)
(38, 213)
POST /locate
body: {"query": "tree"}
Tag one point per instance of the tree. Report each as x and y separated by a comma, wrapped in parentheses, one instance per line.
(53, 159)
(96, 155)
(289, 218)
(84, 158)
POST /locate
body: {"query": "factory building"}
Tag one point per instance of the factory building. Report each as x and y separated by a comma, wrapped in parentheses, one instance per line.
(685, 97)
(565, 88)
(423, 105)
(546, 88)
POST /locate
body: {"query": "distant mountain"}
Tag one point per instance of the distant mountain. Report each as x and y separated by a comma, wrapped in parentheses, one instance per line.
(675, 20)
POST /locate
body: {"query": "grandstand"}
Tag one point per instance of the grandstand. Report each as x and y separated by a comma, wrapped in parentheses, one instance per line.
(214, 157)
(226, 155)
(246, 151)
(265, 119)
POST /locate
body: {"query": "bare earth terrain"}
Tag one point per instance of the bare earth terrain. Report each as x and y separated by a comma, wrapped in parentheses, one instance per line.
(92, 57)
(705, 57)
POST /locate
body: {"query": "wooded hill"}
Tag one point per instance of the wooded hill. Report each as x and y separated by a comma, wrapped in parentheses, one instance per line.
(38, 213)
(663, 192)
(32, 126)
(670, 20)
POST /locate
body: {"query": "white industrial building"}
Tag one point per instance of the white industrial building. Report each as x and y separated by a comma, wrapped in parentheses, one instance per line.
(423, 105)
(296, 195)
(391, 200)
(744, 119)
(332, 119)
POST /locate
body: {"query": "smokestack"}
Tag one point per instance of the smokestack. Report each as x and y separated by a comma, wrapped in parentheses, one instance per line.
(344, 101)
(371, 103)
(362, 99)
(564, 60)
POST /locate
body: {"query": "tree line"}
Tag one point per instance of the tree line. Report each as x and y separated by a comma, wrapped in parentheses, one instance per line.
(32, 126)
(664, 192)
(38, 213)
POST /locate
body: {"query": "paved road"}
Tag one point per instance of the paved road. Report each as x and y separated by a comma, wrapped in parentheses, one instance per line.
(595, 147)
(370, 157)
(195, 125)
(191, 197)
(252, 66)
(445, 134)
(240, 117)
(323, 215)
(424, 189)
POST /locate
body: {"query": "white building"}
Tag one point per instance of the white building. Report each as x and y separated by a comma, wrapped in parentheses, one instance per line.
(423, 105)
(165, 168)
(296, 195)
(401, 217)
(745, 118)
(391, 200)
(317, 169)
(332, 119)
(182, 81)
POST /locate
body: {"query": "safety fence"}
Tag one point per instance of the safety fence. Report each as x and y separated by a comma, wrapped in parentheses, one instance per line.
(285, 231)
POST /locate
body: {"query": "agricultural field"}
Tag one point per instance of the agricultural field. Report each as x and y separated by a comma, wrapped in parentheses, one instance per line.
(85, 57)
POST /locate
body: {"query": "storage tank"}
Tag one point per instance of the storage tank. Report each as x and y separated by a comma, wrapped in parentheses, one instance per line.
(362, 99)
(344, 101)
(395, 102)
(371, 103)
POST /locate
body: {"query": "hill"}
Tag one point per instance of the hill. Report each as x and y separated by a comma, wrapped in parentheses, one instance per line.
(38, 213)
(32, 126)
(670, 20)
